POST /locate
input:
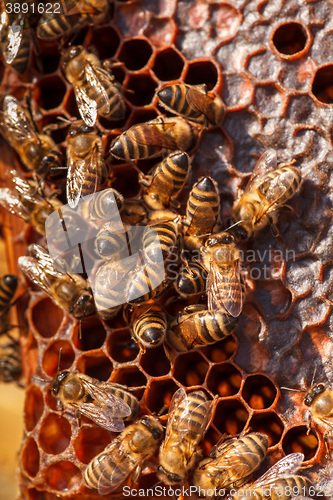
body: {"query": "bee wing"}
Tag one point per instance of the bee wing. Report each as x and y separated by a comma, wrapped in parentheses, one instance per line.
(11, 202)
(226, 289)
(154, 134)
(203, 217)
(116, 453)
(235, 459)
(78, 180)
(284, 468)
(16, 123)
(87, 107)
(202, 102)
(11, 35)
(162, 184)
(266, 163)
(35, 272)
(95, 77)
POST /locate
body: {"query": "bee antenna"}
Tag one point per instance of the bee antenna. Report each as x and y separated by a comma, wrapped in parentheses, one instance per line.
(293, 390)
(39, 378)
(313, 376)
(233, 225)
(60, 351)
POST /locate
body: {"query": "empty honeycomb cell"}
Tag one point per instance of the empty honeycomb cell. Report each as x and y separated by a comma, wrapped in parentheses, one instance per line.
(54, 359)
(168, 64)
(63, 476)
(140, 89)
(46, 324)
(221, 351)
(190, 368)
(291, 39)
(90, 334)
(135, 53)
(224, 379)
(130, 376)
(96, 365)
(155, 363)
(198, 72)
(302, 109)
(33, 407)
(106, 41)
(35, 494)
(122, 347)
(160, 394)
(274, 298)
(125, 180)
(268, 100)
(49, 58)
(299, 440)
(210, 440)
(230, 416)
(30, 457)
(322, 85)
(268, 423)
(141, 116)
(259, 392)
(55, 434)
(70, 105)
(50, 92)
(90, 442)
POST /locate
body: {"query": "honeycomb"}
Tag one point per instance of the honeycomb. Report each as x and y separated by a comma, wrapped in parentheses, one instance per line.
(272, 64)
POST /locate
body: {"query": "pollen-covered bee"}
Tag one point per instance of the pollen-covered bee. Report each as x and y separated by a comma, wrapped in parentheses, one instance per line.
(231, 462)
(69, 291)
(158, 136)
(279, 481)
(269, 188)
(56, 20)
(195, 327)
(107, 404)
(85, 163)
(193, 102)
(124, 455)
(225, 284)
(38, 152)
(25, 202)
(162, 187)
(191, 281)
(202, 212)
(149, 325)
(10, 362)
(95, 89)
(189, 417)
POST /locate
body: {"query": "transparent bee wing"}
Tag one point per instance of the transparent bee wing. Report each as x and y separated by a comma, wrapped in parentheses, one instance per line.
(266, 163)
(11, 202)
(115, 453)
(75, 179)
(43, 259)
(87, 107)
(154, 134)
(225, 289)
(286, 467)
(35, 272)
(199, 100)
(16, 123)
(95, 77)
(11, 36)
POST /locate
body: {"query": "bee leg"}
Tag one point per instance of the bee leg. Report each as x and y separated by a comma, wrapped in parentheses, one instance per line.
(292, 210)
(276, 234)
(136, 474)
(78, 416)
(308, 424)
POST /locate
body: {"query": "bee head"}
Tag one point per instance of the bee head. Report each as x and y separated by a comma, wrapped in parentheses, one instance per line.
(72, 52)
(58, 381)
(313, 393)
(171, 477)
(153, 426)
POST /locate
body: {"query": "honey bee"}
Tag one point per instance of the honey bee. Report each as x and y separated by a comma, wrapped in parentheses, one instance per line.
(160, 239)
(193, 102)
(279, 481)
(105, 205)
(69, 291)
(191, 281)
(110, 242)
(320, 401)
(95, 90)
(26, 203)
(52, 26)
(10, 362)
(149, 139)
(268, 189)
(124, 455)
(15, 34)
(149, 325)
(38, 152)
(165, 183)
(231, 462)
(225, 285)
(202, 212)
(196, 327)
(188, 420)
(85, 163)
(146, 282)
(134, 213)
(107, 404)
(8, 286)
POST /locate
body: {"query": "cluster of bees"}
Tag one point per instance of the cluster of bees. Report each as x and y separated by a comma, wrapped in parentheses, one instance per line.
(212, 269)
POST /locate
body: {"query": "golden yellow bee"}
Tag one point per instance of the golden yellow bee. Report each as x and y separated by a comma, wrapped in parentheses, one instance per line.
(319, 399)
(10, 362)
(107, 404)
(269, 188)
(95, 89)
(280, 481)
(158, 136)
(149, 325)
(202, 212)
(56, 20)
(225, 285)
(195, 327)
(231, 462)
(38, 152)
(191, 280)
(124, 455)
(134, 213)
(85, 163)
(24, 201)
(193, 102)
(167, 180)
(188, 420)
(69, 291)
(104, 206)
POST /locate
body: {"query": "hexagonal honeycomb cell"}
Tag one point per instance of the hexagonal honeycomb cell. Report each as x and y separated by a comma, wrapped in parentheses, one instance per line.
(271, 63)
